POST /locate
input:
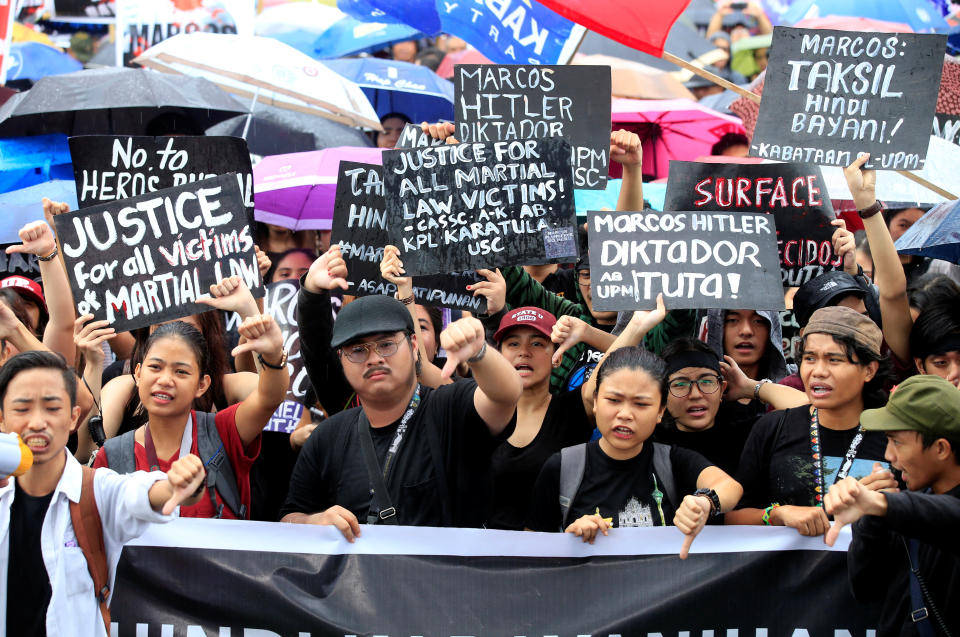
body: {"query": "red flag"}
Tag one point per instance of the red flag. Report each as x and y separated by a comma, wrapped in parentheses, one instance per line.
(640, 25)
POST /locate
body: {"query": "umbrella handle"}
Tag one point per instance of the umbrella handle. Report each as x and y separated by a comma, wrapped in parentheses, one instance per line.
(253, 105)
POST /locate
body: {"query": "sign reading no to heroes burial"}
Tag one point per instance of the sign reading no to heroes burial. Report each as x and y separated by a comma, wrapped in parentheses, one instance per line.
(830, 95)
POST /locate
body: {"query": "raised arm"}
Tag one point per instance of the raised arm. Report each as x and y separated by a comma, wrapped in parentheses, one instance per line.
(233, 295)
(263, 337)
(88, 338)
(627, 150)
(887, 271)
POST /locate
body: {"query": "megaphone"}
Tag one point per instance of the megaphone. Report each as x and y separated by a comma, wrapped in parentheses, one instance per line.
(15, 457)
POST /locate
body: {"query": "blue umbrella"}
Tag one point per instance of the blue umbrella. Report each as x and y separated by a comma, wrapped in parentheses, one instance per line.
(399, 87)
(20, 207)
(25, 161)
(936, 235)
(32, 60)
(921, 15)
(349, 36)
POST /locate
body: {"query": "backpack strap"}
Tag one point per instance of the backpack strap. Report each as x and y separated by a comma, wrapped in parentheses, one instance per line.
(220, 476)
(663, 467)
(88, 528)
(573, 461)
(120, 453)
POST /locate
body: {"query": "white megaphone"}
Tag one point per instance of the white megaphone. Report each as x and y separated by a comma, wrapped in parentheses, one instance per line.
(15, 457)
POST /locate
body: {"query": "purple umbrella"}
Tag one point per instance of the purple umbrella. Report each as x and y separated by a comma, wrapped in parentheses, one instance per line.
(297, 190)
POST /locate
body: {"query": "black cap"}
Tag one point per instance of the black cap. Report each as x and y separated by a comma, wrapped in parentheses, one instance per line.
(370, 315)
(822, 292)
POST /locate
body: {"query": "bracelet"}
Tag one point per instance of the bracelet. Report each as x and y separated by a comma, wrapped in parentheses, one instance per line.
(756, 389)
(866, 213)
(767, 512)
(480, 354)
(51, 256)
(408, 300)
(283, 361)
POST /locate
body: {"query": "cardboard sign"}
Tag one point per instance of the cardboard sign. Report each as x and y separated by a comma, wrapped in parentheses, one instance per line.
(696, 259)
(467, 206)
(111, 167)
(947, 126)
(360, 227)
(412, 136)
(145, 260)
(831, 95)
(102, 11)
(496, 103)
(794, 193)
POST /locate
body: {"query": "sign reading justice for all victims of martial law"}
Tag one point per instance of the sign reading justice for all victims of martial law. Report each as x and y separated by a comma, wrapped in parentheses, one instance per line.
(145, 260)
(695, 259)
(467, 206)
(831, 95)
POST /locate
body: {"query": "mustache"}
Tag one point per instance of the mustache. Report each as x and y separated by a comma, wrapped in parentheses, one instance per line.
(376, 370)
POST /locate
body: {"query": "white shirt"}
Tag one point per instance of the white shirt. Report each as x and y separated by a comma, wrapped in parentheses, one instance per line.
(125, 513)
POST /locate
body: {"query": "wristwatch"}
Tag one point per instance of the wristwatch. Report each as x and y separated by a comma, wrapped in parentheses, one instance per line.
(756, 389)
(711, 495)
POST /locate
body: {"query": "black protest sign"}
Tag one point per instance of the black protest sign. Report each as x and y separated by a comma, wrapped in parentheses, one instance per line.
(413, 136)
(793, 193)
(467, 206)
(947, 126)
(360, 227)
(831, 95)
(146, 259)
(111, 167)
(520, 101)
(695, 259)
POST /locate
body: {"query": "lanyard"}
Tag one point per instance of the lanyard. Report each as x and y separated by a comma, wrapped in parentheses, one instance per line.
(186, 442)
(401, 430)
(818, 457)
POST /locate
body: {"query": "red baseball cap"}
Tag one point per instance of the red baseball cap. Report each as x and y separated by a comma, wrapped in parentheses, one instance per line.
(28, 288)
(529, 316)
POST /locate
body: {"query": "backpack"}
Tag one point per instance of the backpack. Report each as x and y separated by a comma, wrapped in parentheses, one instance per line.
(573, 461)
(89, 531)
(220, 475)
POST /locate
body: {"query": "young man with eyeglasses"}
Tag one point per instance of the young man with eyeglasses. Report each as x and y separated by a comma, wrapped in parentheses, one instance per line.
(408, 454)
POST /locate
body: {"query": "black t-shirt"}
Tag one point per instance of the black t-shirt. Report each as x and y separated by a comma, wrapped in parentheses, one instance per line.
(28, 586)
(620, 489)
(722, 444)
(779, 467)
(331, 468)
(513, 470)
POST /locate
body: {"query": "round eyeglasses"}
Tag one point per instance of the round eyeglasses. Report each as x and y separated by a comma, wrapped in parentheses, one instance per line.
(682, 387)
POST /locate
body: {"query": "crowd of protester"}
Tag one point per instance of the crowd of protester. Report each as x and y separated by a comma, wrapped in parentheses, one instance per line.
(545, 414)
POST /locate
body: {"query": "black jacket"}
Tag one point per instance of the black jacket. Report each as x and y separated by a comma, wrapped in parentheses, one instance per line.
(878, 564)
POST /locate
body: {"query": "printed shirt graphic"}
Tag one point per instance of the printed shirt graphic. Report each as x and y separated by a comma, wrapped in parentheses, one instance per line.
(635, 514)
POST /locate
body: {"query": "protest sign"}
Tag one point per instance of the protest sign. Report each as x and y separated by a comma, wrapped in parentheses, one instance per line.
(111, 167)
(696, 259)
(99, 11)
(412, 136)
(794, 193)
(502, 103)
(8, 11)
(146, 259)
(467, 206)
(512, 31)
(831, 95)
(360, 227)
(947, 126)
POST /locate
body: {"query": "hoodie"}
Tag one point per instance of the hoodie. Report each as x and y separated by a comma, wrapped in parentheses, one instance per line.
(773, 365)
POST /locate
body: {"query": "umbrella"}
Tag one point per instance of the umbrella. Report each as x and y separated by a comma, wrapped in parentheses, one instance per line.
(936, 235)
(683, 41)
(20, 207)
(467, 56)
(633, 79)
(851, 23)
(672, 129)
(297, 190)
(297, 23)
(399, 87)
(25, 161)
(120, 101)
(32, 60)
(349, 36)
(921, 15)
(23, 33)
(266, 70)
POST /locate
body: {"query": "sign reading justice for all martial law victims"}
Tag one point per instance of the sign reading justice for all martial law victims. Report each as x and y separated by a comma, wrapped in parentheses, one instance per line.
(360, 227)
(793, 193)
(466, 206)
(144, 260)
(695, 259)
(494, 103)
(831, 95)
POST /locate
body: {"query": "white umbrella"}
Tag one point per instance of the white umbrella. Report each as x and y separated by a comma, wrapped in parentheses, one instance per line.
(293, 16)
(265, 70)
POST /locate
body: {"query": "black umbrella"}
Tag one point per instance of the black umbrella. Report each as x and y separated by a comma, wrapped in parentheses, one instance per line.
(120, 101)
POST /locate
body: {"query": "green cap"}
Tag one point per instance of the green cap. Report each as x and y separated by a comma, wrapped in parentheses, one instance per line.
(925, 403)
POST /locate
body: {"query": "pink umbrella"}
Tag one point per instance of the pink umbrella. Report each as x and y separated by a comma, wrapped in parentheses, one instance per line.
(672, 129)
(468, 56)
(848, 23)
(297, 190)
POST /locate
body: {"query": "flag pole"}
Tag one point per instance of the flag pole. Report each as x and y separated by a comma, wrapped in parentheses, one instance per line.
(750, 95)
